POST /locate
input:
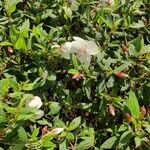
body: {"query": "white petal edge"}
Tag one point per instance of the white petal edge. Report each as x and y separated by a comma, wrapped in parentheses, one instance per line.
(92, 48)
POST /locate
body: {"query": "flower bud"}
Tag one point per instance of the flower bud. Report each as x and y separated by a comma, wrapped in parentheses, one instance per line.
(121, 74)
(128, 117)
(112, 110)
(77, 76)
(10, 50)
(143, 110)
(57, 131)
(124, 48)
(44, 130)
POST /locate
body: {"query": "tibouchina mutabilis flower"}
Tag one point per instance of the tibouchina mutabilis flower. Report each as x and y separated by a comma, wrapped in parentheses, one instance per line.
(82, 48)
(36, 104)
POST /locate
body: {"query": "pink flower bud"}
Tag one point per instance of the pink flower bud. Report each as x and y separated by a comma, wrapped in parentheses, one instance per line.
(121, 74)
(10, 50)
(112, 110)
(77, 76)
(143, 110)
(124, 48)
(128, 117)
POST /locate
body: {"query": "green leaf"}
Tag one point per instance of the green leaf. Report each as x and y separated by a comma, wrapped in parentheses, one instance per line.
(21, 44)
(13, 34)
(54, 107)
(75, 61)
(18, 146)
(122, 67)
(4, 87)
(138, 43)
(73, 71)
(63, 145)
(110, 143)
(22, 134)
(24, 29)
(10, 5)
(138, 25)
(74, 123)
(146, 49)
(101, 86)
(6, 43)
(137, 142)
(133, 105)
(125, 138)
(35, 134)
(58, 122)
(85, 144)
(68, 12)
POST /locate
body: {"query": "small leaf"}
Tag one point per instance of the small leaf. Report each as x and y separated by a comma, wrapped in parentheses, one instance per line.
(125, 138)
(54, 107)
(137, 141)
(110, 143)
(75, 123)
(6, 43)
(85, 144)
(73, 71)
(59, 123)
(22, 134)
(133, 104)
(35, 134)
(24, 29)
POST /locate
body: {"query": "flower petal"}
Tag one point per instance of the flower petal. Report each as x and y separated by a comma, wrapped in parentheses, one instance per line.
(66, 50)
(35, 102)
(84, 59)
(92, 48)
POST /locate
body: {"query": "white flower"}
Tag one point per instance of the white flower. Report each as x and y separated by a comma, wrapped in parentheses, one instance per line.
(35, 102)
(57, 131)
(82, 48)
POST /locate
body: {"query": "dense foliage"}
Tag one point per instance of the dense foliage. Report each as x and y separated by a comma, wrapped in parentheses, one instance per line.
(74, 74)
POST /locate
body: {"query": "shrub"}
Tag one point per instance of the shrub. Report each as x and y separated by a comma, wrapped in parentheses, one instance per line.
(74, 74)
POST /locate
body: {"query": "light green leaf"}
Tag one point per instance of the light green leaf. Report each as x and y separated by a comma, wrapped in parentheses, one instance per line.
(6, 43)
(73, 71)
(54, 108)
(74, 123)
(58, 122)
(10, 5)
(22, 134)
(125, 138)
(4, 87)
(24, 29)
(110, 143)
(137, 141)
(133, 105)
(85, 144)
(21, 44)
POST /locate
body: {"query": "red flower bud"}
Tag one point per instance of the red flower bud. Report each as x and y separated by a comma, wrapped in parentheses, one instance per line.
(143, 110)
(121, 74)
(77, 76)
(124, 48)
(112, 110)
(128, 117)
